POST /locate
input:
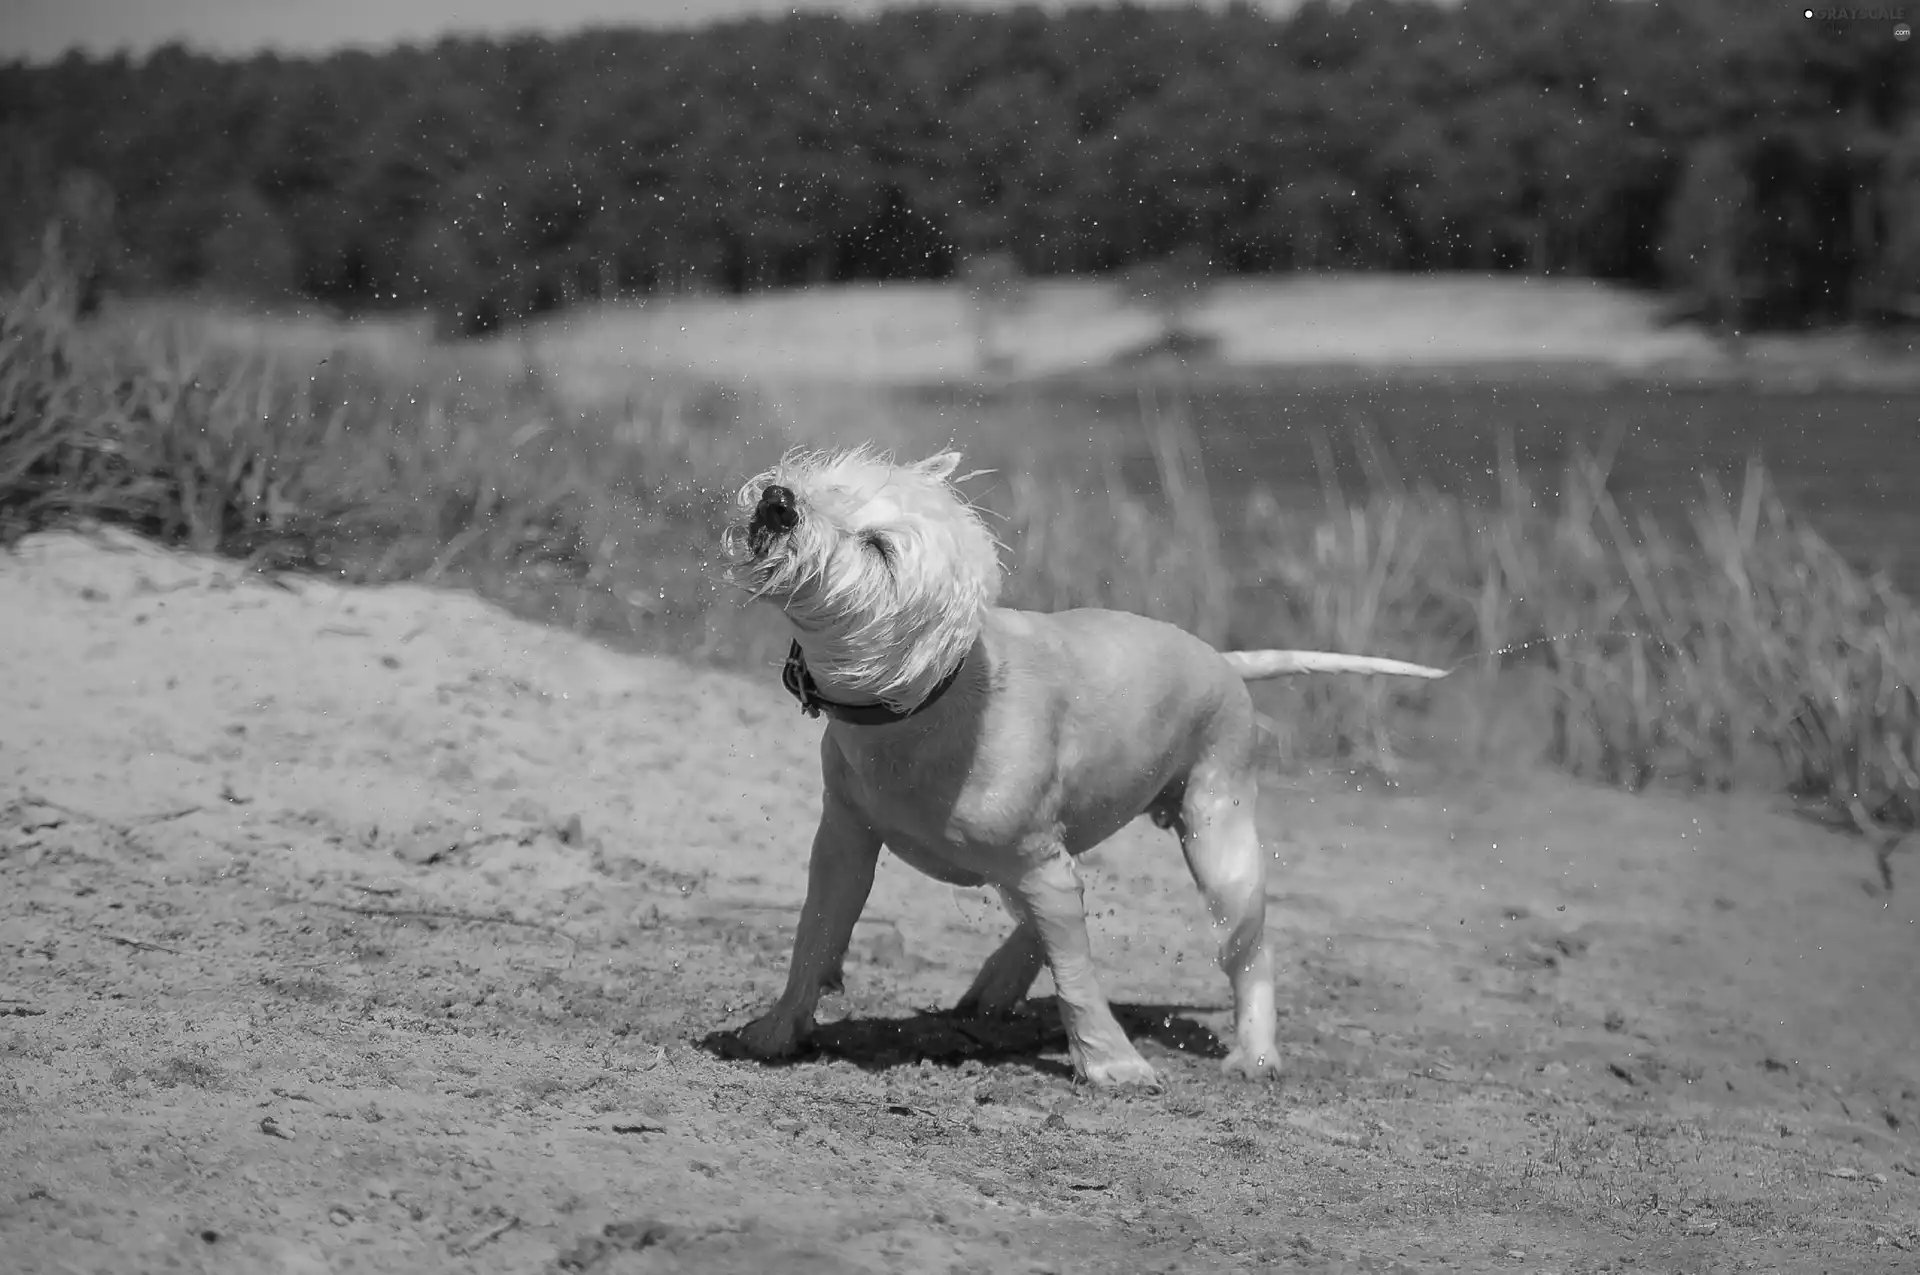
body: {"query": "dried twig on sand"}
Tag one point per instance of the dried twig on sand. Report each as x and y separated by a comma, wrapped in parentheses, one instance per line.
(140, 944)
(485, 1237)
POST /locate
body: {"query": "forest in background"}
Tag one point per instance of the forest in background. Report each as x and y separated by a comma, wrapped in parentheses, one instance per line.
(1764, 167)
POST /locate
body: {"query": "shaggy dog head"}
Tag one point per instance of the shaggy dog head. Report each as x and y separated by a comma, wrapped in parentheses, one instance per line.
(884, 568)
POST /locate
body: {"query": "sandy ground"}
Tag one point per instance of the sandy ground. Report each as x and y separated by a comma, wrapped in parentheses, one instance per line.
(372, 930)
(911, 333)
(890, 333)
(880, 335)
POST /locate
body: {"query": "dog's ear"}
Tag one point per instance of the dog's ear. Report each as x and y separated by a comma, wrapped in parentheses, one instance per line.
(940, 466)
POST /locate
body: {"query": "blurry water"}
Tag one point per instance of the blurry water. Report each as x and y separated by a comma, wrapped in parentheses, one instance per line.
(1849, 460)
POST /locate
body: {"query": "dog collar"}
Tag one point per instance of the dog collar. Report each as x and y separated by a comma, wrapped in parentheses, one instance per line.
(800, 684)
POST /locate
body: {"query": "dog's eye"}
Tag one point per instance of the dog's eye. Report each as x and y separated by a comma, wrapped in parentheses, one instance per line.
(879, 543)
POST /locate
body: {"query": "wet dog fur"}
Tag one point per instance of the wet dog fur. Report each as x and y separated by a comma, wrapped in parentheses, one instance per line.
(998, 745)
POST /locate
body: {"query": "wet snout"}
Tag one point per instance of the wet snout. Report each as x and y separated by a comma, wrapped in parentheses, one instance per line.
(774, 516)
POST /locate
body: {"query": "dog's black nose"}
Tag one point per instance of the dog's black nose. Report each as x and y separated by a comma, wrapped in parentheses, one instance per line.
(773, 516)
(776, 511)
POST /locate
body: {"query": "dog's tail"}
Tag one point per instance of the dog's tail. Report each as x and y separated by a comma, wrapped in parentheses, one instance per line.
(1254, 666)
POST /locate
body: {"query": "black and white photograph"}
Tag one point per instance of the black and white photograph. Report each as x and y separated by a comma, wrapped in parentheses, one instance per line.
(959, 636)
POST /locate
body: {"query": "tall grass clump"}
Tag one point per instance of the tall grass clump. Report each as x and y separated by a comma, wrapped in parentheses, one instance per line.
(1750, 639)
(1739, 645)
(1736, 646)
(599, 520)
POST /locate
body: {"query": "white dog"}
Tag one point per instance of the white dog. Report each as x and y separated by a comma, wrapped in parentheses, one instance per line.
(987, 746)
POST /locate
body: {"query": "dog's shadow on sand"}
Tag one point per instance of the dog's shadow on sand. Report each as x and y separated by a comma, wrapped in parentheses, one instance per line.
(941, 1037)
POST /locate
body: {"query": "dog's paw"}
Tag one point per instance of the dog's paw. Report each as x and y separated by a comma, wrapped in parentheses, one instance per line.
(1246, 1065)
(770, 1037)
(1121, 1073)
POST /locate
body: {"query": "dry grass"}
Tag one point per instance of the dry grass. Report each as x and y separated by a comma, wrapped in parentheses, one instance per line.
(1738, 644)
(599, 520)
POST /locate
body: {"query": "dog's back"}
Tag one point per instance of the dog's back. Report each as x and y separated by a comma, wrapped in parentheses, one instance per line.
(1102, 650)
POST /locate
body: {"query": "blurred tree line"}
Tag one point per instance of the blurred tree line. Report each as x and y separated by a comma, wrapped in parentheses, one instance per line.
(1763, 165)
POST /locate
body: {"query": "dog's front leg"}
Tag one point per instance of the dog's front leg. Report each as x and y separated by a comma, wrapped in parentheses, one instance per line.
(839, 878)
(1049, 900)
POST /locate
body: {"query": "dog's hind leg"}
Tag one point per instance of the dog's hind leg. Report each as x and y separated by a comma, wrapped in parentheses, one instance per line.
(839, 879)
(1049, 901)
(1007, 976)
(1222, 846)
